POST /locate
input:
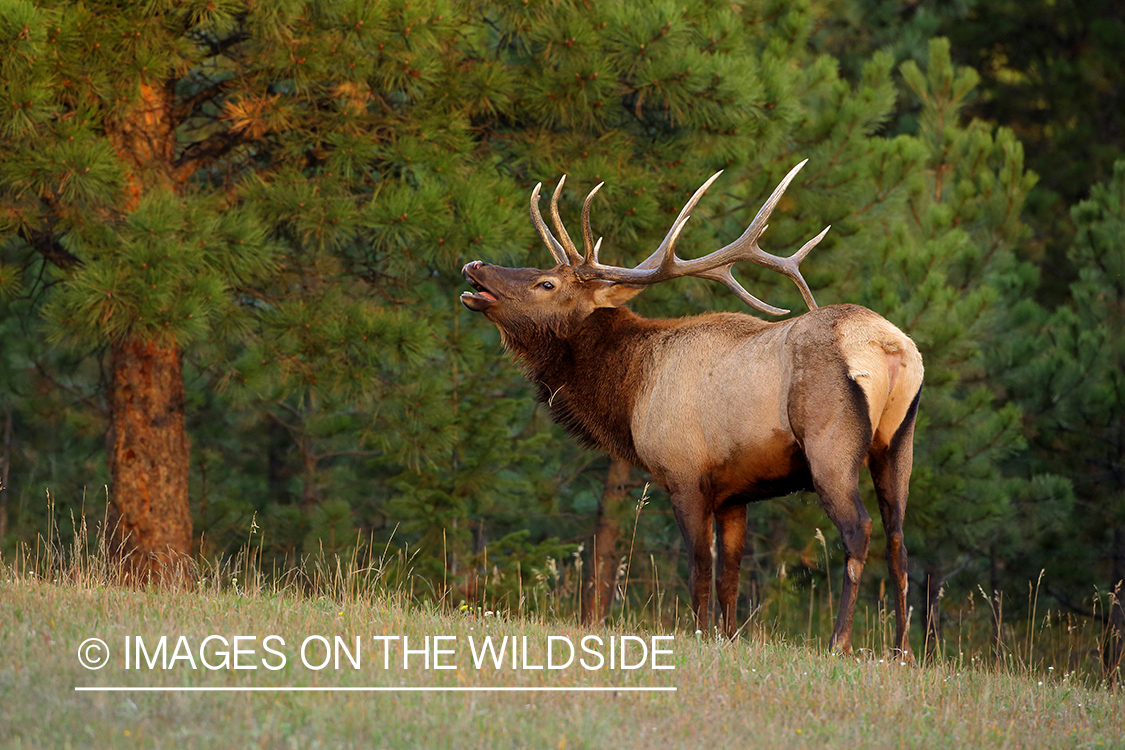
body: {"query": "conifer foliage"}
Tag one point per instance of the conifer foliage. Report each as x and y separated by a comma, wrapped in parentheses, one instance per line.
(138, 140)
(1072, 380)
(250, 217)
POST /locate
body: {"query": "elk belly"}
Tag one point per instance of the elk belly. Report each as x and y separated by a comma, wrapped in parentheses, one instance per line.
(768, 469)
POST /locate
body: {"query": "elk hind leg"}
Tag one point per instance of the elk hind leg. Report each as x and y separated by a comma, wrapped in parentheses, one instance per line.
(890, 471)
(835, 475)
(731, 522)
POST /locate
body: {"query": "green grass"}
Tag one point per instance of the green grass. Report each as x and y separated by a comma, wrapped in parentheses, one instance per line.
(747, 693)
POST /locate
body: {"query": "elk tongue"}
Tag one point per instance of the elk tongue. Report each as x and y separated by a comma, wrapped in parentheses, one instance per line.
(478, 302)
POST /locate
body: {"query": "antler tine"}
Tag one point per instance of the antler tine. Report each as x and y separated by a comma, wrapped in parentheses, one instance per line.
(667, 248)
(548, 239)
(746, 248)
(794, 261)
(587, 233)
(663, 264)
(724, 275)
(758, 225)
(592, 259)
(573, 258)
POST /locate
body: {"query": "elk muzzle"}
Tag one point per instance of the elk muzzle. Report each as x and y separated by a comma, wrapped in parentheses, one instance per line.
(482, 299)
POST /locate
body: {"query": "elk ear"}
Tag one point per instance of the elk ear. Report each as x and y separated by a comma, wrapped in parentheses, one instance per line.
(612, 294)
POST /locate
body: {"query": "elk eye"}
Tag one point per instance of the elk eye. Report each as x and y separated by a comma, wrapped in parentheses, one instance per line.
(547, 285)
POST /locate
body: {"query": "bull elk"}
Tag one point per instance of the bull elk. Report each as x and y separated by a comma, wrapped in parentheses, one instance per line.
(722, 409)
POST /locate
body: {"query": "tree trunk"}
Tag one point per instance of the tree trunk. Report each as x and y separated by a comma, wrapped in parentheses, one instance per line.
(5, 469)
(149, 521)
(601, 574)
(149, 529)
(310, 492)
(1114, 645)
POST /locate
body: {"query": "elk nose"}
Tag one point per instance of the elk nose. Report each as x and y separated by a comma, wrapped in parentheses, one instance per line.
(473, 264)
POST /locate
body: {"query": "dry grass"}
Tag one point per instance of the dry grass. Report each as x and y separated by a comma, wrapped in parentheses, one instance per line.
(755, 691)
(758, 690)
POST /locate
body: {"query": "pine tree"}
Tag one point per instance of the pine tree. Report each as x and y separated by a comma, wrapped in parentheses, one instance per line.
(1048, 72)
(283, 195)
(949, 266)
(1073, 383)
(161, 157)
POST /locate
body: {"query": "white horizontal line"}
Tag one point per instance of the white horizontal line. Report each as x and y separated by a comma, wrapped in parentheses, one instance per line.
(380, 689)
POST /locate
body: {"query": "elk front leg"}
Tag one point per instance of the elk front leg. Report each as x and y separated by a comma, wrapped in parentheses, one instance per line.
(731, 521)
(695, 525)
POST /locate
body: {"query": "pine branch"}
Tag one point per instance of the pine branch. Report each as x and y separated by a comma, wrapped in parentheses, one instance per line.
(293, 431)
(219, 47)
(45, 243)
(205, 152)
(964, 565)
(78, 395)
(183, 110)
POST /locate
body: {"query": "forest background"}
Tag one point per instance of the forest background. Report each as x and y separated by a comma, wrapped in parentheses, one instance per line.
(231, 236)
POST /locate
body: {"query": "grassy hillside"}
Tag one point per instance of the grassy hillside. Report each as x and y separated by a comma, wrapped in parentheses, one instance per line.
(768, 695)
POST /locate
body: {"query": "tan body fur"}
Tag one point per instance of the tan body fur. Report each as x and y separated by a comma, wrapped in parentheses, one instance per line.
(721, 391)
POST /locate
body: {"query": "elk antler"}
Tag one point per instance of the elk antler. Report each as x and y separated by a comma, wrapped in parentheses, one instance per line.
(663, 264)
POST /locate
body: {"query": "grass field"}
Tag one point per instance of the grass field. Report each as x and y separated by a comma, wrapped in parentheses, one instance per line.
(746, 693)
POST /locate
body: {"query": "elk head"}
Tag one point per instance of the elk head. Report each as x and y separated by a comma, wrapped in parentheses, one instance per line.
(522, 300)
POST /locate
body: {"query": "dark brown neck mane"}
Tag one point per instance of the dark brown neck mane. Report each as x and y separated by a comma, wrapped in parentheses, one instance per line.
(589, 378)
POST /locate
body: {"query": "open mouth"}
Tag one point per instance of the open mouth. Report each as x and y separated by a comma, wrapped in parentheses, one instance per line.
(481, 291)
(482, 299)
